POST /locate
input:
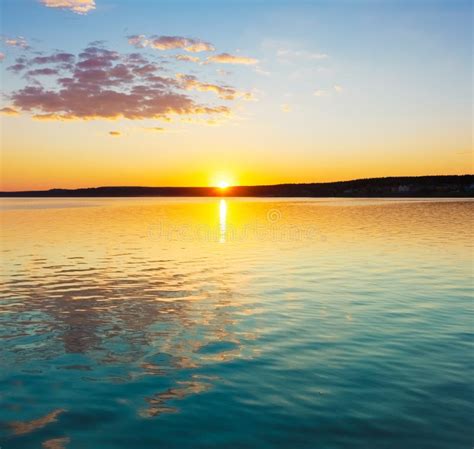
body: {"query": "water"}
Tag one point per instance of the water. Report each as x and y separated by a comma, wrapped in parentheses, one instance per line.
(236, 323)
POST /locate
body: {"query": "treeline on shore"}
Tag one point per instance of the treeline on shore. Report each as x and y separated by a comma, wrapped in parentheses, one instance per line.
(407, 186)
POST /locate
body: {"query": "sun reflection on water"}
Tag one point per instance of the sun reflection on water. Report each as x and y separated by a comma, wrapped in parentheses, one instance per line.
(222, 220)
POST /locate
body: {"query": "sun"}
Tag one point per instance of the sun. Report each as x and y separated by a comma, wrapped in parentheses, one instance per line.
(223, 185)
(222, 181)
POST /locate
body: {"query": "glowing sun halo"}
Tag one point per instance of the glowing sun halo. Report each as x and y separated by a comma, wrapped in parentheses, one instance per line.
(223, 184)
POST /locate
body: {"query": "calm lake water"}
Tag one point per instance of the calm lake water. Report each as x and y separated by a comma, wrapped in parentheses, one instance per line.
(236, 323)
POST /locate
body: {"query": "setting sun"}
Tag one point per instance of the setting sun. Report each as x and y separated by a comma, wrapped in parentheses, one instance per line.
(223, 184)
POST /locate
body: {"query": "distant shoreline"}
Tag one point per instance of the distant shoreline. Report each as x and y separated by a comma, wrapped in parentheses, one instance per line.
(455, 186)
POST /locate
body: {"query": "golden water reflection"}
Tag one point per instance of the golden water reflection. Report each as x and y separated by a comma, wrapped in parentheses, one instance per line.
(222, 220)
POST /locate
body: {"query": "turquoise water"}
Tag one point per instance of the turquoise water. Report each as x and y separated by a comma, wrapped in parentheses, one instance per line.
(236, 323)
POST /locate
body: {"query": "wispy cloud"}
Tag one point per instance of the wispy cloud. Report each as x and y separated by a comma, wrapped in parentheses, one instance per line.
(320, 93)
(288, 54)
(42, 72)
(190, 82)
(170, 43)
(261, 71)
(327, 92)
(226, 58)
(115, 133)
(16, 42)
(155, 129)
(222, 72)
(76, 6)
(17, 67)
(2, 56)
(188, 58)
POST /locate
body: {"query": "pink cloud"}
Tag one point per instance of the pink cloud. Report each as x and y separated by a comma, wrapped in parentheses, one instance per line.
(16, 68)
(102, 84)
(138, 40)
(66, 58)
(170, 43)
(2, 56)
(62, 61)
(42, 72)
(76, 6)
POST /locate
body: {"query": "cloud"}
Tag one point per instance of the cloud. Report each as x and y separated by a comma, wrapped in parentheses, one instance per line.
(102, 84)
(42, 72)
(66, 58)
(2, 56)
(285, 54)
(16, 42)
(115, 133)
(170, 43)
(62, 61)
(222, 72)
(326, 93)
(138, 40)
(261, 71)
(77, 6)
(188, 58)
(207, 121)
(320, 93)
(286, 107)
(17, 68)
(190, 82)
(9, 111)
(226, 58)
(155, 129)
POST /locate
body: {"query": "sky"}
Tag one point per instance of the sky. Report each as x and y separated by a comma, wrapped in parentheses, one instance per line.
(198, 93)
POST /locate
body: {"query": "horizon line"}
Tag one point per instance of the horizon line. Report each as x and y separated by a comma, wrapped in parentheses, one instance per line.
(230, 187)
